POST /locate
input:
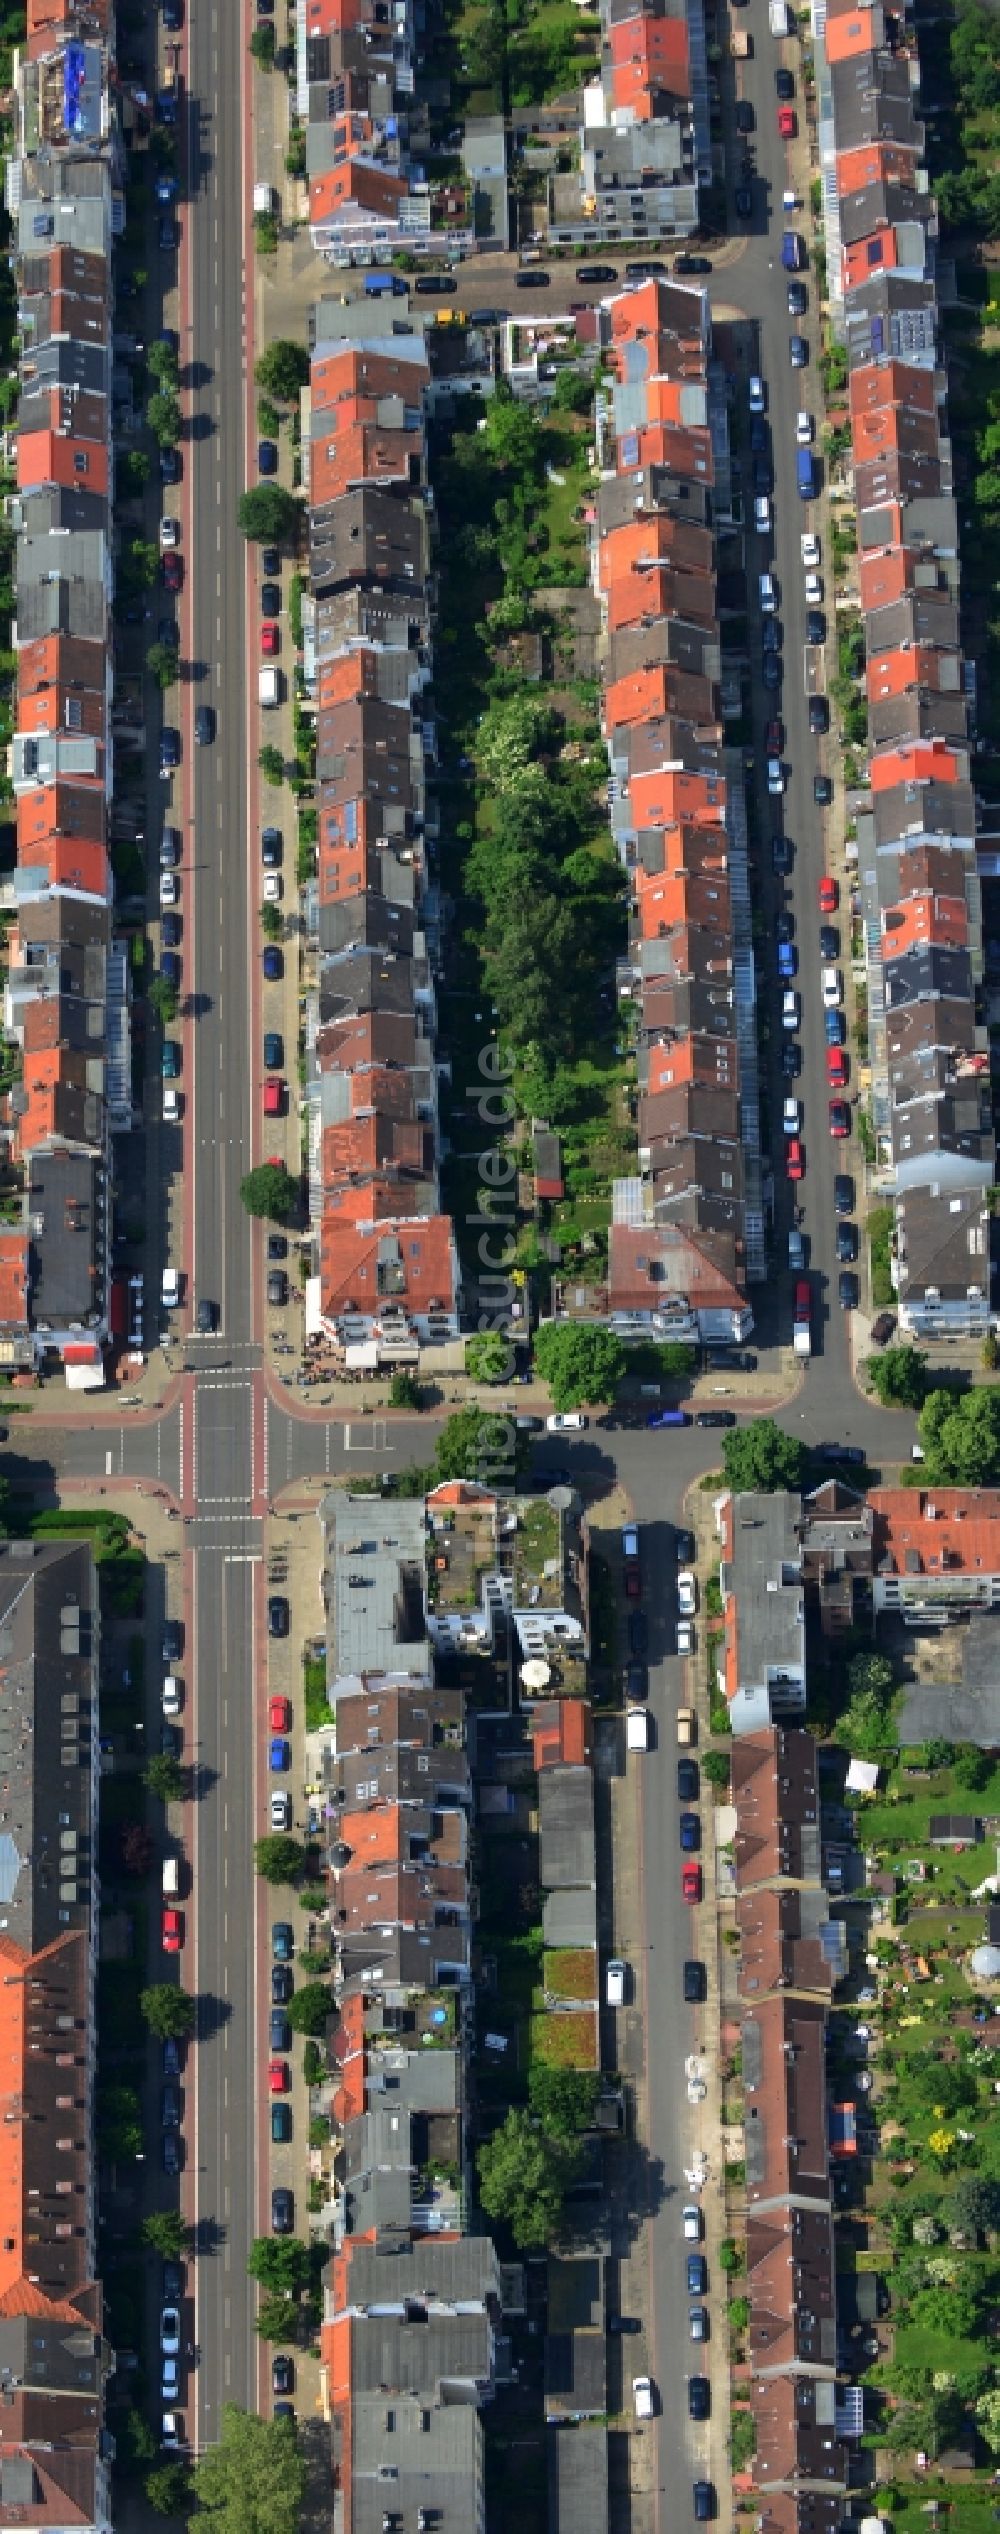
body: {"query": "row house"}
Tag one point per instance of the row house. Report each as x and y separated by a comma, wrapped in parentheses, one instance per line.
(386, 1285)
(67, 996)
(368, 194)
(916, 824)
(645, 145)
(54, 2363)
(687, 1232)
(791, 1954)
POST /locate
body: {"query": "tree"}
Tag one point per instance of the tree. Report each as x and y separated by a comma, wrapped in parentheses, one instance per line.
(271, 763)
(119, 2122)
(267, 515)
(277, 2318)
(479, 1447)
(405, 1391)
(161, 997)
(512, 438)
(938, 1754)
(973, 1768)
(715, 1766)
(254, 2480)
(134, 470)
(138, 1849)
(974, 2208)
(731, 2259)
(168, 2489)
(263, 46)
(523, 2174)
(280, 2264)
(564, 2100)
(899, 1377)
(162, 661)
(270, 1192)
(573, 392)
(271, 924)
(283, 368)
(163, 414)
(310, 2008)
(164, 1777)
(169, 2012)
(948, 2310)
(161, 362)
(871, 1675)
(279, 1858)
(758, 1458)
(165, 2232)
(489, 1357)
(961, 1438)
(582, 1366)
(866, 1726)
(988, 2418)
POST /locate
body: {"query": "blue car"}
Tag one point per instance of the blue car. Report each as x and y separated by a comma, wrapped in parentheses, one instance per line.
(272, 962)
(835, 1027)
(282, 1940)
(281, 1753)
(697, 2274)
(690, 1831)
(267, 457)
(788, 959)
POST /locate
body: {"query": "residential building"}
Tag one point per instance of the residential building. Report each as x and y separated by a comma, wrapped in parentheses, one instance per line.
(763, 1673)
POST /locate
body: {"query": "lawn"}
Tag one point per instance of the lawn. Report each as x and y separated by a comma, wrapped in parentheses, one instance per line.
(565, 2039)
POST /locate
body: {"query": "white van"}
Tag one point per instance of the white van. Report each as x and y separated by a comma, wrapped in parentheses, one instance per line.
(170, 1289)
(636, 1729)
(170, 1877)
(614, 1983)
(171, 1104)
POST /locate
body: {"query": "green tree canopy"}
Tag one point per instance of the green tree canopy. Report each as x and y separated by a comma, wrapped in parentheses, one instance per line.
(950, 2310)
(489, 1356)
(162, 364)
(164, 1777)
(973, 1768)
(165, 2232)
(310, 2008)
(279, 1858)
(163, 663)
(758, 1458)
(899, 1377)
(161, 997)
(974, 2208)
(563, 2099)
(715, 1767)
(263, 45)
(523, 2175)
(988, 2418)
(280, 2263)
(961, 1438)
(271, 763)
(268, 515)
(254, 2480)
(270, 1192)
(582, 1366)
(277, 2318)
(405, 1391)
(479, 1447)
(164, 417)
(283, 368)
(169, 2011)
(512, 439)
(168, 2488)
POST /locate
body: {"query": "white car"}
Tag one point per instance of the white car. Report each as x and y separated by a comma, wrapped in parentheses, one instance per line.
(756, 395)
(832, 986)
(170, 2331)
(762, 515)
(281, 1810)
(272, 887)
(804, 430)
(791, 1116)
(170, 2433)
(614, 1983)
(685, 1636)
(789, 1010)
(810, 550)
(691, 2216)
(170, 535)
(687, 1592)
(574, 1422)
(775, 775)
(169, 891)
(696, 2089)
(171, 1104)
(642, 2397)
(172, 1695)
(814, 589)
(767, 592)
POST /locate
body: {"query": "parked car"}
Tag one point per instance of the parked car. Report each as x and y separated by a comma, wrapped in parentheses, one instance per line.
(689, 1826)
(698, 2323)
(170, 2331)
(277, 1615)
(695, 1983)
(697, 2274)
(637, 1633)
(282, 2212)
(691, 1883)
(687, 1781)
(171, 1930)
(840, 1118)
(282, 1983)
(282, 1940)
(573, 1422)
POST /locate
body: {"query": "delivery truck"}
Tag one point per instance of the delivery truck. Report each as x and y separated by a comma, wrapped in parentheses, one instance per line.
(802, 1319)
(268, 689)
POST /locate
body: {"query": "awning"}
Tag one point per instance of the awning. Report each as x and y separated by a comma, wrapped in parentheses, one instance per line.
(362, 1359)
(88, 1376)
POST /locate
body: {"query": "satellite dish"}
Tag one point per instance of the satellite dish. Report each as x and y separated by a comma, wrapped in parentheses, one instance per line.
(536, 1674)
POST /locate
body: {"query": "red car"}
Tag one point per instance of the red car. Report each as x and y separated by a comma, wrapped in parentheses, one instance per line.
(691, 1881)
(836, 1068)
(829, 897)
(795, 1160)
(172, 1930)
(274, 1097)
(840, 1119)
(279, 1714)
(633, 1584)
(270, 641)
(786, 122)
(774, 738)
(172, 568)
(277, 2076)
